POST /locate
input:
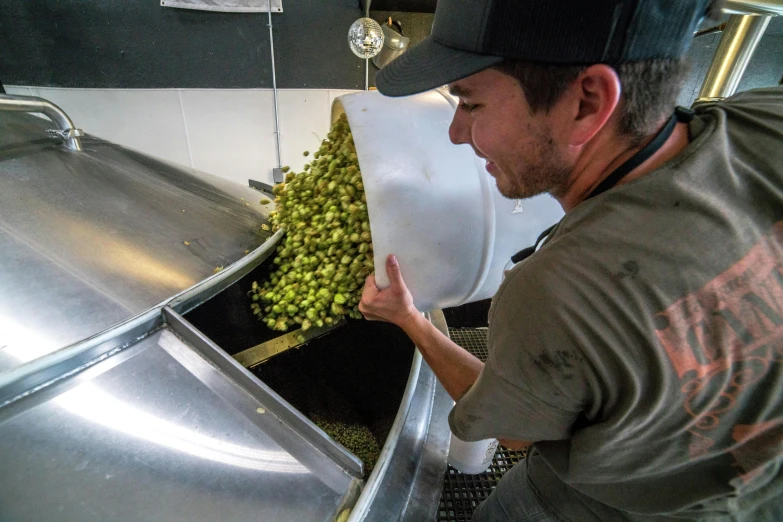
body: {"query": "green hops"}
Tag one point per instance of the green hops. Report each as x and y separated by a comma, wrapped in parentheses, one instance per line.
(326, 255)
(355, 437)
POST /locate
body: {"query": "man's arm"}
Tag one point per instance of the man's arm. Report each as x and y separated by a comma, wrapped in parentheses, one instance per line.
(454, 366)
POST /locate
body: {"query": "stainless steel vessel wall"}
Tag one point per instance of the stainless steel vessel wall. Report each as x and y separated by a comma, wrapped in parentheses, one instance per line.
(143, 416)
(92, 238)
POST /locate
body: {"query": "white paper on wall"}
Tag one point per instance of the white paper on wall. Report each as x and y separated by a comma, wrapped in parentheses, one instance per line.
(230, 6)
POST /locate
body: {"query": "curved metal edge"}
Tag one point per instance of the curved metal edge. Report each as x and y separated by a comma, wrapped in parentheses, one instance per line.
(387, 452)
(263, 393)
(425, 494)
(37, 374)
(32, 376)
(407, 480)
(422, 502)
(378, 477)
(417, 413)
(205, 290)
(67, 130)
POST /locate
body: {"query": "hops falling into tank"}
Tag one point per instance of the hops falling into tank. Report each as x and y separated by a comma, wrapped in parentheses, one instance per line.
(321, 264)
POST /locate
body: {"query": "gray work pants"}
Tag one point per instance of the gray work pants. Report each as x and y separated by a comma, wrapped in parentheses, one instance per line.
(514, 499)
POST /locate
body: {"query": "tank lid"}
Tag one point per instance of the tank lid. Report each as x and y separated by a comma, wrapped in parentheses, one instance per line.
(92, 238)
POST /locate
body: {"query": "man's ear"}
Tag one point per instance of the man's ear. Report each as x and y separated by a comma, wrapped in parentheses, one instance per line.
(592, 99)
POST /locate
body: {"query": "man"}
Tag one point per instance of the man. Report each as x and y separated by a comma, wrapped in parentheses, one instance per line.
(638, 351)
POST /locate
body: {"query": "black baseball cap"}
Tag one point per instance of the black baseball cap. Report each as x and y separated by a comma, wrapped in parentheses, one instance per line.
(469, 36)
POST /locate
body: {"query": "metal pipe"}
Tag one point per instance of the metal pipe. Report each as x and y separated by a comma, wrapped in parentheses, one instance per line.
(740, 39)
(367, 60)
(66, 129)
(274, 86)
(759, 7)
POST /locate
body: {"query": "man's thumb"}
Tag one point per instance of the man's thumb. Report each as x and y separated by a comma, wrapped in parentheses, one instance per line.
(393, 270)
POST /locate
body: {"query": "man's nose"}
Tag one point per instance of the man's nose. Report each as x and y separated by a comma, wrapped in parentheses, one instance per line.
(459, 132)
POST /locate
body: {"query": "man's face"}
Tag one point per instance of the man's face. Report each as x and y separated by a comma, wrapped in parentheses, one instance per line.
(494, 117)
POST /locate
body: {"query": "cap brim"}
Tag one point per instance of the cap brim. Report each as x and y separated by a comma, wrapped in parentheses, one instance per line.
(428, 65)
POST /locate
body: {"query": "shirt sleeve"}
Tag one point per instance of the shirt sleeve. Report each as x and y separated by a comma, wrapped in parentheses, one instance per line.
(497, 408)
(535, 382)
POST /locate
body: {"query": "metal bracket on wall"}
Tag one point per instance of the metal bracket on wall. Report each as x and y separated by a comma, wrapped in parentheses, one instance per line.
(261, 187)
(64, 134)
(227, 6)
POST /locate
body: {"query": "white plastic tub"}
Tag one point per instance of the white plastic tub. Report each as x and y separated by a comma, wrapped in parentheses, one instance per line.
(432, 203)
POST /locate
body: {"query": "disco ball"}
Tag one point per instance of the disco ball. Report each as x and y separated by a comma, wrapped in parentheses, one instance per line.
(365, 38)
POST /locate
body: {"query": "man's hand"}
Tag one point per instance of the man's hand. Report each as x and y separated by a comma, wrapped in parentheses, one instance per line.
(393, 304)
(455, 368)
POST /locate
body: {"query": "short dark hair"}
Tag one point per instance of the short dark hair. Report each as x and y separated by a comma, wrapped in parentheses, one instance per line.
(649, 88)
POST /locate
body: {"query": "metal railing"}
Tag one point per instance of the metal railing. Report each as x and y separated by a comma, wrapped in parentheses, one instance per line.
(66, 130)
(754, 7)
(740, 38)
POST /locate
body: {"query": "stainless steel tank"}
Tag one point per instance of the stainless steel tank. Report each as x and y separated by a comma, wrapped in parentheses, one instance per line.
(123, 286)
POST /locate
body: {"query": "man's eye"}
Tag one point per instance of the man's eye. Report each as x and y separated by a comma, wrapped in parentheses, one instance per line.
(467, 107)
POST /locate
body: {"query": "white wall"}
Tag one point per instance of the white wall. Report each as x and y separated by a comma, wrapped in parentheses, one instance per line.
(226, 132)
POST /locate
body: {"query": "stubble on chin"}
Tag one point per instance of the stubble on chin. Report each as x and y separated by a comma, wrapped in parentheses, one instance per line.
(546, 171)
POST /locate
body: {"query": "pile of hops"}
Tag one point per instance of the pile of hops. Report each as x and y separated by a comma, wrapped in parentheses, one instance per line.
(355, 437)
(326, 254)
(331, 411)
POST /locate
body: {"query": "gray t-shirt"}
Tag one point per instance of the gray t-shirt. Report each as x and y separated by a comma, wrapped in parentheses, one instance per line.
(642, 346)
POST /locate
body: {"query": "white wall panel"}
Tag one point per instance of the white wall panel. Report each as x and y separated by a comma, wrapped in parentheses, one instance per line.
(334, 93)
(148, 120)
(231, 132)
(14, 89)
(226, 132)
(304, 122)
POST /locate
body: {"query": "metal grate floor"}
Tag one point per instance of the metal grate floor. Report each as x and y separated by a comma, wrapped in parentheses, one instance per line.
(461, 492)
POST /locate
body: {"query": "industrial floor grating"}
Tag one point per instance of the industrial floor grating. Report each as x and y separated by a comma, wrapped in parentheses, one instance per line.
(461, 492)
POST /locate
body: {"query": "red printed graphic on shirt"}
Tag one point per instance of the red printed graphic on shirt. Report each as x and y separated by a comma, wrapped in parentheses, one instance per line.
(757, 444)
(722, 340)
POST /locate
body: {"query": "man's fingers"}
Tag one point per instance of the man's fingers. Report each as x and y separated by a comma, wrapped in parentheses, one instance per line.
(370, 289)
(367, 315)
(393, 271)
(369, 292)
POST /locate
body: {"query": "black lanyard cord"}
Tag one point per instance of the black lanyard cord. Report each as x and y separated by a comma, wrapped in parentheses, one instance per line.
(680, 115)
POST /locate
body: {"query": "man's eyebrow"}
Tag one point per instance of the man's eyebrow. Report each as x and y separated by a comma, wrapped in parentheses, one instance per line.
(458, 90)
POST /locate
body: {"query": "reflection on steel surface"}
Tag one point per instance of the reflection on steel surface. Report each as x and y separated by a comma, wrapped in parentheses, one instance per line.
(21, 344)
(89, 402)
(92, 239)
(92, 404)
(147, 435)
(117, 254)
(130, 421)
